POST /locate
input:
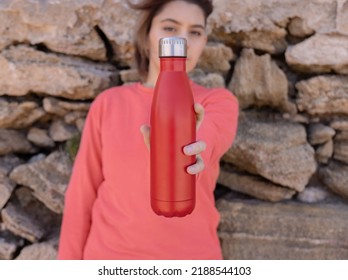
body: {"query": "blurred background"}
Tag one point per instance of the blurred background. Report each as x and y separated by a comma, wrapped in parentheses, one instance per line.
(283, 188)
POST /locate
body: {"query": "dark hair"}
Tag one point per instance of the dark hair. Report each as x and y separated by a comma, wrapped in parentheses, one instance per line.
(150, 8)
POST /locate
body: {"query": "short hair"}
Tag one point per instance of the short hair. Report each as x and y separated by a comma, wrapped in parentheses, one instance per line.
(149, 9)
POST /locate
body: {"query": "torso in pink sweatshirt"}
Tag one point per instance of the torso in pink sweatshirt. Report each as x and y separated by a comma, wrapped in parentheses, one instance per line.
(107, 207)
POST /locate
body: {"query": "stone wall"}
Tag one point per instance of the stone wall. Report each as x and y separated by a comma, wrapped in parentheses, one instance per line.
(283, 187)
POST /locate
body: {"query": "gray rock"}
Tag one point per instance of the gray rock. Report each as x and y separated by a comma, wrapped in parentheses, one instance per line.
(24, 70)
(319, 133)
(261, 230)
(335, 177)
(210, 80)
(38, 251)
(6, 189)
(321, 53)
(341, 151)
(324, 152)
(36, 158)
(258, 149)
(12, 141)
(258, 81)
(60, 131)
(7, 163)
(254, 186)
(19, 115)
(312, 194)
(20, 223)
(323, 95)
(40, 138)
(9, 244)
(47, 178)
(216, 57)
(24, 199)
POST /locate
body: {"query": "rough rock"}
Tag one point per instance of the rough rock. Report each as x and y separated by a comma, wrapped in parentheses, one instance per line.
(38, 251)
(335, 177)
(211, 80)
(62, 26)
(7, 163)
(24, 70)
(216, 57)
(257, 149)
(6, 189)
(262, 24)
(341, 151)
(60, 131)
(20, 223)
(47, 178)
(118, 33)
(25, 200)
(80, 124)
(321, 53)
(12, 141)
(323, 95)
(8, 244)
(324, 152)
(61, 108)
(262, 230)
(319, 133)
(298, 27)
(72, 117)
(19, 115)
(129, 76)
(340, 124)
(258, 81)
(40, 138)
(342, 136)
(254, 186)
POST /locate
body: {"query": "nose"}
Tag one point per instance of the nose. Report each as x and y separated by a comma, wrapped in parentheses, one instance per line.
(187, 37)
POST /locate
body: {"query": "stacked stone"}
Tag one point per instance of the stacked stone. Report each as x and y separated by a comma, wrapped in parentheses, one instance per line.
(287, 172)
(290, 155)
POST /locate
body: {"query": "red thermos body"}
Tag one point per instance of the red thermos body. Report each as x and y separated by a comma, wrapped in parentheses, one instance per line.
(173, 126)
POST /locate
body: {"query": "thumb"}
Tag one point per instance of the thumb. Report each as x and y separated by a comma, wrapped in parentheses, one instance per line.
(145, 130)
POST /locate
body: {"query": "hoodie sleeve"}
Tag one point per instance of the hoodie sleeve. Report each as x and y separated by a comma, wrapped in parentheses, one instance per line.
(81, 193)
(219, 126)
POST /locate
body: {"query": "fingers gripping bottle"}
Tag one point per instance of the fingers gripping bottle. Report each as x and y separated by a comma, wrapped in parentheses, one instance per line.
(173, 126)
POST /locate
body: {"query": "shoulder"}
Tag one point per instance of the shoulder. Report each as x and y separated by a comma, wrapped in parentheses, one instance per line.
(114, 94)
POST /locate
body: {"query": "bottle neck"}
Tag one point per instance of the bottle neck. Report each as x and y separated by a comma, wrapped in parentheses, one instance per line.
(175, 64)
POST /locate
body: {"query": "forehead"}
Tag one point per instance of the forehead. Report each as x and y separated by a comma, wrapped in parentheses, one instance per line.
(183, 12)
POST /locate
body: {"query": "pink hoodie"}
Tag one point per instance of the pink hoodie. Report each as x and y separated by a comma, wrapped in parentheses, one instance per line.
(107, 207)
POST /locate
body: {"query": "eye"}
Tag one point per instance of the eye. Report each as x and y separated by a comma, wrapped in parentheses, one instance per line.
(196, 33)
(169, 29)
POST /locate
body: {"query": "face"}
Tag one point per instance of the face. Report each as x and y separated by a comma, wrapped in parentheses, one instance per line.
(181, 19)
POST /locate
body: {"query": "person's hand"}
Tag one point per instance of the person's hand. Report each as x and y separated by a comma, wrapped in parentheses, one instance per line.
(193, 149)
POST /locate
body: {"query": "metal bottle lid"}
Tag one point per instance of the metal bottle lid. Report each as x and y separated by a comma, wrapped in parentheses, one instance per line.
(172, 46)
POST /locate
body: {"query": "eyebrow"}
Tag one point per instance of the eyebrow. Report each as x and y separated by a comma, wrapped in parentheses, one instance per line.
(177, 22)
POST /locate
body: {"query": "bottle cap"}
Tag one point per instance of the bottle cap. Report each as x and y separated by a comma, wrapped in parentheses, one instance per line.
(172, 46)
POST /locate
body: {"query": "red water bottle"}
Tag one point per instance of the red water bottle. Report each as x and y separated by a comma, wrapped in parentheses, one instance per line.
(173, 126)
